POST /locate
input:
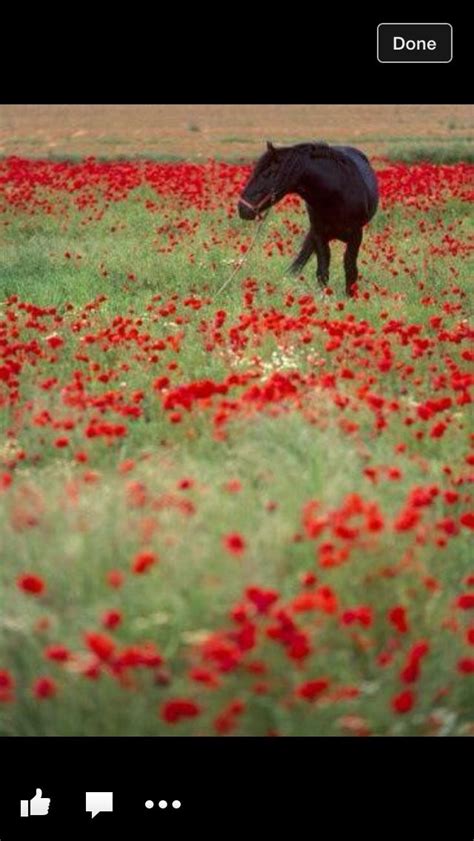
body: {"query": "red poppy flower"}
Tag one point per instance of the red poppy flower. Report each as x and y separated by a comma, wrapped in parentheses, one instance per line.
(467, 519)
(100, 644)
(59, 653)
(175, 710)
(466, 666)
(111, 619)
(262, 599)
(7, 685)
(311, 689)
(143, 561)
(398, 618)
(205, 676)
(403, 702)
(115, 578)
(44, 687)
(31, 583)
(465, 601)
(234, 543)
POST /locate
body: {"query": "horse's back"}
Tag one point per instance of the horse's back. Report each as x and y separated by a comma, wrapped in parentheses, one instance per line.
(361, 162)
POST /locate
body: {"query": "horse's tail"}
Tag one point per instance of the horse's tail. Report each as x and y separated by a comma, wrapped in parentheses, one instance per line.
(305, 253)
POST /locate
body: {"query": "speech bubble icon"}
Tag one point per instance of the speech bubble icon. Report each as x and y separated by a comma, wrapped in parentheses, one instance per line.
(99, 801)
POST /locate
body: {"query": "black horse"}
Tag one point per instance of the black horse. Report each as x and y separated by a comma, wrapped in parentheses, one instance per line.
(341, 194)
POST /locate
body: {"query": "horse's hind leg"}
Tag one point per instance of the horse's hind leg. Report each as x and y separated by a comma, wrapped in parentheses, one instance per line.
(350, 260)
(323, 255)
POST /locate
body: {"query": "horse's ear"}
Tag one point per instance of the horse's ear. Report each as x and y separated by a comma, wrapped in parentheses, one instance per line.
(270, 147)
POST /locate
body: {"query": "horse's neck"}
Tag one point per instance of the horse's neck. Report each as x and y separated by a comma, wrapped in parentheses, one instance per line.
(310, 179)
(319, 178)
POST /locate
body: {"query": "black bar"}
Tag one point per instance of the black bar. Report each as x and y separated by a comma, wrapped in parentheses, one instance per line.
(334, 787)
(325, 56)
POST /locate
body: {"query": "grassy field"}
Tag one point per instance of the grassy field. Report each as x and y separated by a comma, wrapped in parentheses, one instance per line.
(247, 513)
(227, 131)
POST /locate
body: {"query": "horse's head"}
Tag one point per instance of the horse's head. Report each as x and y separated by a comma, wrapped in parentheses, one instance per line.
(264, 188)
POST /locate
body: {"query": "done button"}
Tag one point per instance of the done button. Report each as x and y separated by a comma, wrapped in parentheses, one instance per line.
(410, 43)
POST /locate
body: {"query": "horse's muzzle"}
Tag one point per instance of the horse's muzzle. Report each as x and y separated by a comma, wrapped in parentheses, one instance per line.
(246, 212)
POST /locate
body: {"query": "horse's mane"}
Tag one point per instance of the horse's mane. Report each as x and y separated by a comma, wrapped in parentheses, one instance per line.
(321, 149)
(314, 149)
(295, 155)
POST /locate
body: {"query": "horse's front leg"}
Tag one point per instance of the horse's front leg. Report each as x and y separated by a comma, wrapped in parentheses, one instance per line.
(350, 260)
(323, 255)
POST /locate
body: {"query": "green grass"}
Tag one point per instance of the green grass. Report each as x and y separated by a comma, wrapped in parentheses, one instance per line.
(236, 139)
(115, 141)
(446, 153)
(406, 149)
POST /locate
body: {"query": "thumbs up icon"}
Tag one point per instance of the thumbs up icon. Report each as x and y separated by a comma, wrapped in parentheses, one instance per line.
(38, 805)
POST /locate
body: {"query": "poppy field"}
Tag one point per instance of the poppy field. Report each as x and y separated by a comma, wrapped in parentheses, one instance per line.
(237, 513)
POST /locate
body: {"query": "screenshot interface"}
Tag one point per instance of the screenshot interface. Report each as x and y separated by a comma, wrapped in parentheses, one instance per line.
(236, 445)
